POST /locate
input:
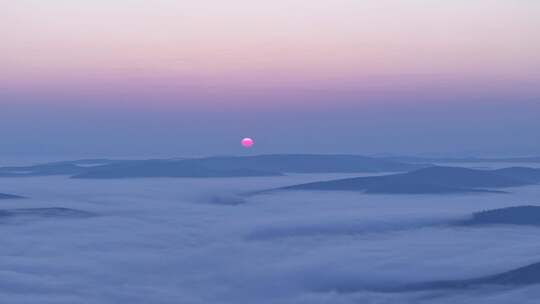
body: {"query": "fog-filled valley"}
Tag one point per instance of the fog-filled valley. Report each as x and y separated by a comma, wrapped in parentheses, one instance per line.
(203, 240)
(269, 152)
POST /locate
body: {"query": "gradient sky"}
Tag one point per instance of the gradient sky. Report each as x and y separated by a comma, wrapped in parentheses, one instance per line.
(173, 77)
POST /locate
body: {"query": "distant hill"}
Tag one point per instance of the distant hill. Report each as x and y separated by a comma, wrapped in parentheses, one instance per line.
(523, 276)
(430, 180)
(521, 173)
(9, 196)
(527, 275)
(55, 168)
(54, 212)
(169, 168)
(416, 159)
(519, 215)
(310, 163)
(224, 166)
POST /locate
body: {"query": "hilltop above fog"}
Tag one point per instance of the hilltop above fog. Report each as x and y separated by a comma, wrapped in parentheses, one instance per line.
(9, 196)
(224, 166)
(431, 180)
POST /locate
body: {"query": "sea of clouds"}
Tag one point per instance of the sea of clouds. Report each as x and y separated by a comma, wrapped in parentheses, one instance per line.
(198, 241)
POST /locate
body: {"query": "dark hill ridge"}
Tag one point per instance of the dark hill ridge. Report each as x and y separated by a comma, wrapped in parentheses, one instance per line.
(520, 173)
(168, 168)
(430, 180)
(523, 276)
(54, 212)
(527, 275)
(223, 166)
(416, 159)
(54, 168)
(309, 163)
(9, 196)
(519, 215)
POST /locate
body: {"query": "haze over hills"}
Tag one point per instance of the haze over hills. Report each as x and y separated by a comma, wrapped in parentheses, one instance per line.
(434, 179)
(224, 166)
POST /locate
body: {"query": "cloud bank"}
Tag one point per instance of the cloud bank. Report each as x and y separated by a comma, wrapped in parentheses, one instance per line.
(195, 241)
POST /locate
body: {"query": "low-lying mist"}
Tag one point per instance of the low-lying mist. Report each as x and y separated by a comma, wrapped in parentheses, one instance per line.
(201, 241)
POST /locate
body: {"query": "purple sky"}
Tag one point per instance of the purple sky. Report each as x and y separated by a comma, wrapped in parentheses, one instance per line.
(134, 78)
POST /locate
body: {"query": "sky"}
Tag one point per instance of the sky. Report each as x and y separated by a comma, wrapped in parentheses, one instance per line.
(170, 78)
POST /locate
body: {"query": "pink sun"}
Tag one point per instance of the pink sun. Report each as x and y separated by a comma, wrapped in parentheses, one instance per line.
(247, 142)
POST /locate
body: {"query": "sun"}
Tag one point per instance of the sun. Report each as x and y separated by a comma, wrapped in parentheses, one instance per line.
(247, 142)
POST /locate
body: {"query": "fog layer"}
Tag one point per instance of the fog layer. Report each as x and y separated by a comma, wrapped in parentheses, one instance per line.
(197, 241)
